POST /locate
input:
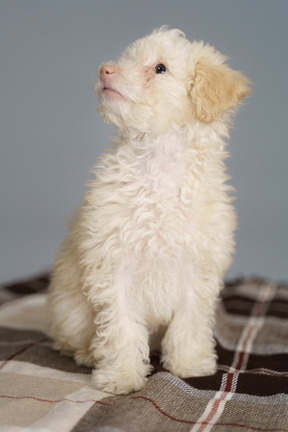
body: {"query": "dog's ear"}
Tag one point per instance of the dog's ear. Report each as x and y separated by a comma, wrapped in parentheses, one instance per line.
(216, 89)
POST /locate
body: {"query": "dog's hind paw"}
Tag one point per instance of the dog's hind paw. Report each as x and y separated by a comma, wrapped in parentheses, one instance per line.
(84, 357)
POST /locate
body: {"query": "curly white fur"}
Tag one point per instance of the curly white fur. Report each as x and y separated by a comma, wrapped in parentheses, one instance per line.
(151, 243)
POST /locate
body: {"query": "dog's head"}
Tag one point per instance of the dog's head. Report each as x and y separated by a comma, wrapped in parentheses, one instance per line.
(163, 79)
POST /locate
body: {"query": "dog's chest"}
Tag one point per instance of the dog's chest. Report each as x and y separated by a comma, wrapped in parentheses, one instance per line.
(163, 168)
(156, 220)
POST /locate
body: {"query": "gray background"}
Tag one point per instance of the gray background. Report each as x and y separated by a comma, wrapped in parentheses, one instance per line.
(51, 134)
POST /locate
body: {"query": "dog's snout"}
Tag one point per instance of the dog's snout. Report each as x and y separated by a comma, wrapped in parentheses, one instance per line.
(107, 70)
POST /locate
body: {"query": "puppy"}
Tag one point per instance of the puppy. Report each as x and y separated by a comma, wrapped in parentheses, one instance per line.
(151, 243)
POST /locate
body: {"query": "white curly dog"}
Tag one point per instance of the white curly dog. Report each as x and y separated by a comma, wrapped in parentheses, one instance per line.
(149, 247)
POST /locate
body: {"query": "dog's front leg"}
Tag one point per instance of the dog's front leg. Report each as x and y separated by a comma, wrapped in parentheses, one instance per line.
(188, 347)
(120, 345)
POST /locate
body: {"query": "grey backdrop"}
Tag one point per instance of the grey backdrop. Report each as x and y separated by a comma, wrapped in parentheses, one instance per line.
(51, 134)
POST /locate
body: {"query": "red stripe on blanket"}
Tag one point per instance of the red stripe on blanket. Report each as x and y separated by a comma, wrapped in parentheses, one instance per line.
(54, 401)
(21, 351)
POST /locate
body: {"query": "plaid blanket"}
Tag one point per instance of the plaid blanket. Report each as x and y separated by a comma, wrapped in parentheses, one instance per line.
(42, 391)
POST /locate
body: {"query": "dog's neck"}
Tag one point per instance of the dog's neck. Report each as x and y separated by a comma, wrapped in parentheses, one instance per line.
(176, 138)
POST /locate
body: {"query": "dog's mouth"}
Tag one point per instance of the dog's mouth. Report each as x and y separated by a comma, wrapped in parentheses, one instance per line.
(112, 93)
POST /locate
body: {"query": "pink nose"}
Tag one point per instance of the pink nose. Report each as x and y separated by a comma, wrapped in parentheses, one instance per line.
(107, 70)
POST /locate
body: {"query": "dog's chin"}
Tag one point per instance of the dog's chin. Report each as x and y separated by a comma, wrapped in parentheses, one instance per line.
(113, 109)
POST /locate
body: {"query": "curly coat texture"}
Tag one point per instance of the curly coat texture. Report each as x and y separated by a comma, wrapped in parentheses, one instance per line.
(149, 247)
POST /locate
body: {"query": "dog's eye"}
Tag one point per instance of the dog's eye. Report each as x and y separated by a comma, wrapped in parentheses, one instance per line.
(160, 69)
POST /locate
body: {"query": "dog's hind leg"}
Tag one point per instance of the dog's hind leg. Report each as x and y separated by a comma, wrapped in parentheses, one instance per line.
(71, 316)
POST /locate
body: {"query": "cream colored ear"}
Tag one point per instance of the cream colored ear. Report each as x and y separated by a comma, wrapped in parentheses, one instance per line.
(216, 89)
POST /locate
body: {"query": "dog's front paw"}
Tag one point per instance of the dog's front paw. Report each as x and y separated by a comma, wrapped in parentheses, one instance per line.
(111, 381)
(190, 357)
(190, 367)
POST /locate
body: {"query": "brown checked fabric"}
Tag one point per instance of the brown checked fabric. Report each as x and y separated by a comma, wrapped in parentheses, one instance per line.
(42, 391)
